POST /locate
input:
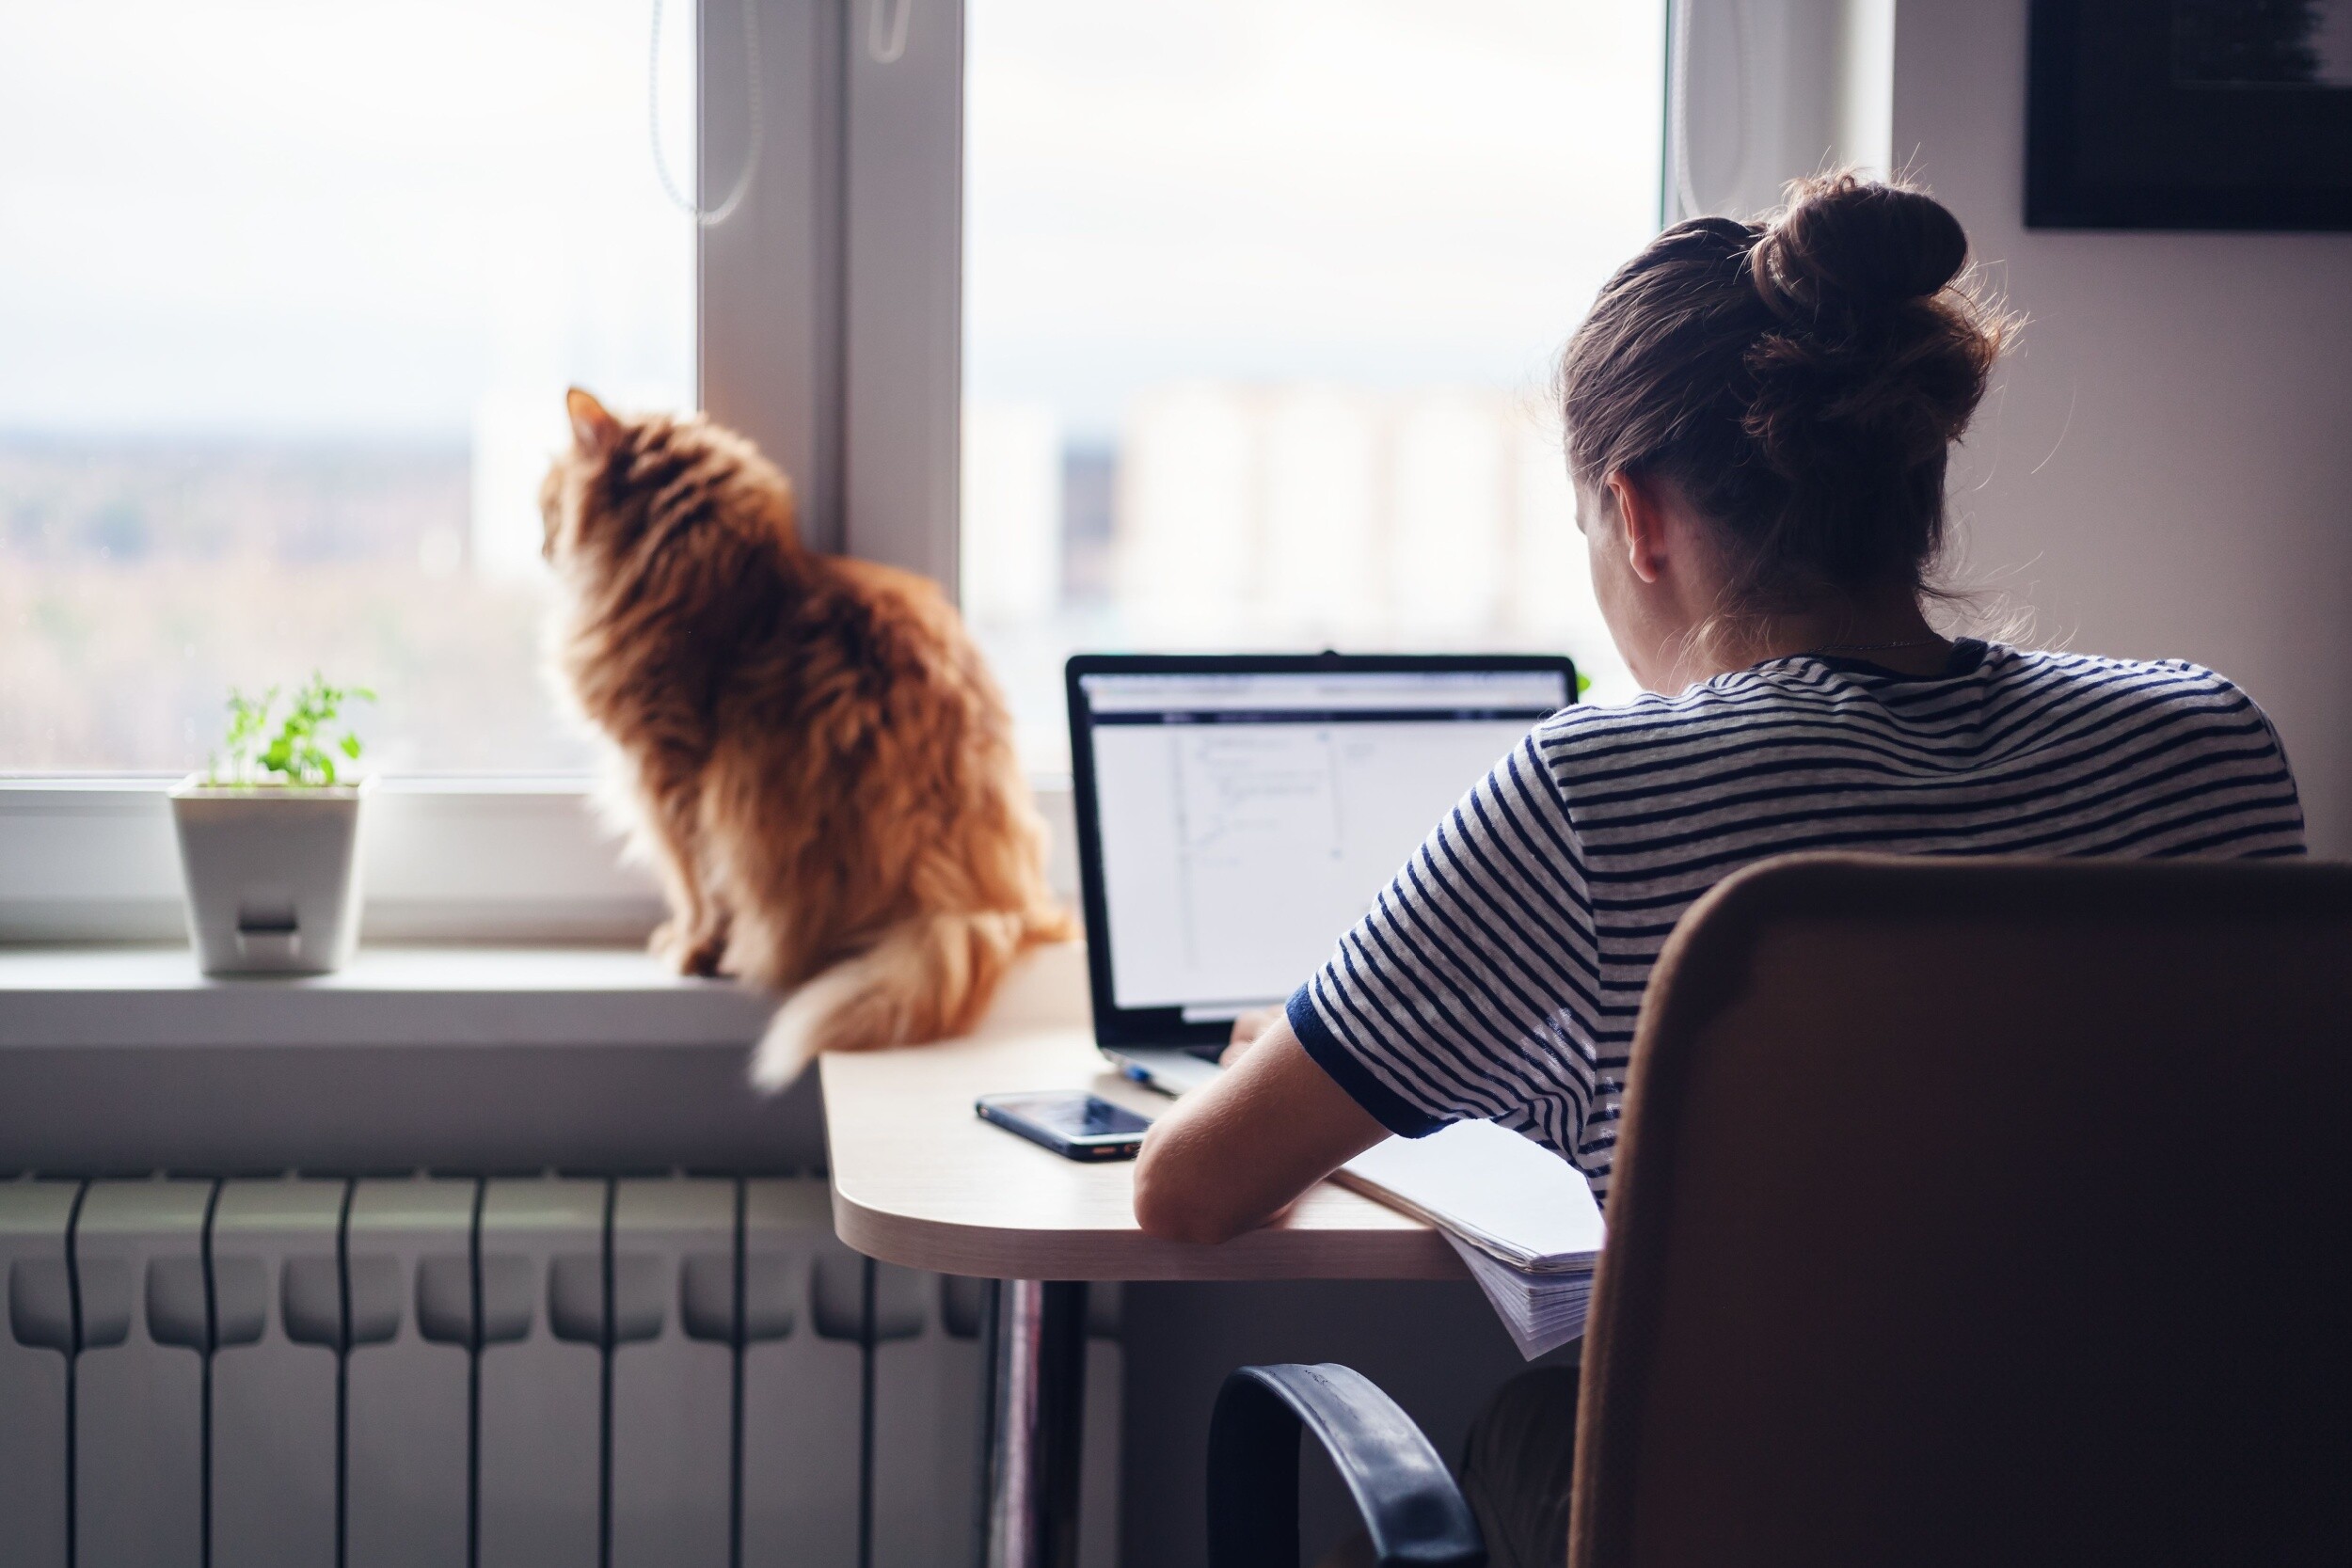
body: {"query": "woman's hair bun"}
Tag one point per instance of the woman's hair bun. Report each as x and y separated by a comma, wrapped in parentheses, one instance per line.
(1843, 244)
(1802, 380)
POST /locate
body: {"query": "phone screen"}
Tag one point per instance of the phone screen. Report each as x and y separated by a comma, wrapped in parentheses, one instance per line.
(1074, 1125)
(1073, 1114)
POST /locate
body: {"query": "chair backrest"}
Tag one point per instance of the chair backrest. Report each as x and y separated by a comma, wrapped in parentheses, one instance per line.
(1983, 1213)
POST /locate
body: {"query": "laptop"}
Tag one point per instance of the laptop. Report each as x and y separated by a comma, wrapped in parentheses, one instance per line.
(1237, 813)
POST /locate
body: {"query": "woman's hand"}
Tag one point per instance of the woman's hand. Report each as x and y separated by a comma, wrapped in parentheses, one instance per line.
(1237, 1151)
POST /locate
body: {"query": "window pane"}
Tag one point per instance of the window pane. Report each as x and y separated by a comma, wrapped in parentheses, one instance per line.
(1262, 304)
(290, 293)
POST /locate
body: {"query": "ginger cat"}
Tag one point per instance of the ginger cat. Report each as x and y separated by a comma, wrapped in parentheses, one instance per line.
(812, 752)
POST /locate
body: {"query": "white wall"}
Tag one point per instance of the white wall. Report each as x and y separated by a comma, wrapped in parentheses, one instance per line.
(2165, 465)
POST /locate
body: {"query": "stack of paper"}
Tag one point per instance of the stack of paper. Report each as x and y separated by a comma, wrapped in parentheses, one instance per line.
(1539, 1310)
(1521, 1217)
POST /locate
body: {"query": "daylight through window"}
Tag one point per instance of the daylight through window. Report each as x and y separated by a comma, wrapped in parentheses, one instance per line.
(1262, 303)
(290, 295)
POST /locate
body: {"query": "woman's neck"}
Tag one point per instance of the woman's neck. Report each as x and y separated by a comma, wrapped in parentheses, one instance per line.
(1884, 627)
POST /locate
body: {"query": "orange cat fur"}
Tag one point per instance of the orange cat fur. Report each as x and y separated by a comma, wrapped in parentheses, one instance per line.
(818, 764)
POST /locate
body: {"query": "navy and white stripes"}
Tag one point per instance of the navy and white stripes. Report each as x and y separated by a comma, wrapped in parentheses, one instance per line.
(1500, 975)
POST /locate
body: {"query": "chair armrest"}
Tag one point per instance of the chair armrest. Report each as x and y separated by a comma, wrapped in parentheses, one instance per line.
(1410, 1506)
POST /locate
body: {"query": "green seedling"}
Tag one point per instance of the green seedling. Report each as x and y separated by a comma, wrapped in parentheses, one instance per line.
(299, 754)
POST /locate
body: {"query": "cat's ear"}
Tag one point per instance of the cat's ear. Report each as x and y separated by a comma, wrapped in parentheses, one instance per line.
(594, 428)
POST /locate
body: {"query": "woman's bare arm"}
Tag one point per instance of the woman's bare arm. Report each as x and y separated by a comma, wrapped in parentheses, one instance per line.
(1236, 1152)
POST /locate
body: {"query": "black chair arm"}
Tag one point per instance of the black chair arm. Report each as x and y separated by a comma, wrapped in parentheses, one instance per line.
(1410, 1506)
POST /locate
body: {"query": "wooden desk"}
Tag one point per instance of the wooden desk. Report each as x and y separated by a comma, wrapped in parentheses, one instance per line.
(921, 1180)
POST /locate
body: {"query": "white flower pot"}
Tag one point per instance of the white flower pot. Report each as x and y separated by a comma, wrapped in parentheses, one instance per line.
(272, 874)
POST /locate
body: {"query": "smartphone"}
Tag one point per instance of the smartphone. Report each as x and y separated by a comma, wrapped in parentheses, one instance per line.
(1072, 1123)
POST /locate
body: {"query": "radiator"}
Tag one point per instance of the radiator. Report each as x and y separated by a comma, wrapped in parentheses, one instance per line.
(494, 1372)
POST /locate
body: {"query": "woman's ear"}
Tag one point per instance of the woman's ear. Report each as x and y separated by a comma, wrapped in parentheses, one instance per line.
(1643, 521)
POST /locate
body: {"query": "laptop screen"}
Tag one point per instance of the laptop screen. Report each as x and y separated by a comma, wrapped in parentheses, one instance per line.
(1243, 819)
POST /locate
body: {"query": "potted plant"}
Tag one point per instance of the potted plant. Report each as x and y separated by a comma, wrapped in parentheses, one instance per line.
(269, 838)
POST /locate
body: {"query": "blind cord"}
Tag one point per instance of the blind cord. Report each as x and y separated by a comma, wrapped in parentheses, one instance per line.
(884, 48)
(712, 218)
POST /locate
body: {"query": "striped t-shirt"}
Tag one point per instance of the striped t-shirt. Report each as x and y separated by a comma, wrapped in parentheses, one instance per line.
(1499, 975)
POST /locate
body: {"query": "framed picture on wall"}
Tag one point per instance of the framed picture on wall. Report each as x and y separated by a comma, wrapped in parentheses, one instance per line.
(2189, 114)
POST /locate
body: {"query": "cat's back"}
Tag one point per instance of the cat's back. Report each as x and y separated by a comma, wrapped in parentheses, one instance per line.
(907, 601)
(875, 645)
(897, 621)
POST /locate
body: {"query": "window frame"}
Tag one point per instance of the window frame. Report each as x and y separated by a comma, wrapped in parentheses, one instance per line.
(828, 328)
(513, 860)
(830, 320)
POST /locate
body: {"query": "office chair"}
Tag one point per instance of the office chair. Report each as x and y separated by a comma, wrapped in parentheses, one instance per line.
(1966, 1211)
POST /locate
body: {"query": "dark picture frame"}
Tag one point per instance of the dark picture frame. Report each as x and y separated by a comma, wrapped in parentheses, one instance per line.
(2187, 114)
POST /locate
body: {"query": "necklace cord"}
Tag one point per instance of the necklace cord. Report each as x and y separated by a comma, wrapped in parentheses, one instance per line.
(1872, 647)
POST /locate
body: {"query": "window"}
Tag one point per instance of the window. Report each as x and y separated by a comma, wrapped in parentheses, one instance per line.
(1261, 301)
(1235, 319)
(290, 294)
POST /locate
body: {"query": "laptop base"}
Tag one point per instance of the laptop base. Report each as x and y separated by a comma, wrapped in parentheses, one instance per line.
(1171, 1069)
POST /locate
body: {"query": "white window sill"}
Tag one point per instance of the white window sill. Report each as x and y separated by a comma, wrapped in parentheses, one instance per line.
(566, 997)
(117, 1060)
(124, 1060)
(416, 996)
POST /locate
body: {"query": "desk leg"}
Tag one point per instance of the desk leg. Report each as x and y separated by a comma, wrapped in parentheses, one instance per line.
(1036, 1408)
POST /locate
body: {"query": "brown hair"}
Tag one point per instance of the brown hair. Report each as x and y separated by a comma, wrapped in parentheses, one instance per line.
(1801, 380)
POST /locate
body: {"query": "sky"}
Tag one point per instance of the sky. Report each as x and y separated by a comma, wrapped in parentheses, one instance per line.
(1385, 192)
(284, 218)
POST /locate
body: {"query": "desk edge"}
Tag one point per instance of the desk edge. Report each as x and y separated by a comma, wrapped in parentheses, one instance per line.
(988, 1252)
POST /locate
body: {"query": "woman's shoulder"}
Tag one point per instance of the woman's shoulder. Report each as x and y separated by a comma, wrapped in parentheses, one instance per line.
(2142, 682)
(1725, 699)
(1793, 696)
(1590, 739)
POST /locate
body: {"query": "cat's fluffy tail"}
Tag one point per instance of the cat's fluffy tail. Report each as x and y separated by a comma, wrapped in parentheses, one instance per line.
(927, 979)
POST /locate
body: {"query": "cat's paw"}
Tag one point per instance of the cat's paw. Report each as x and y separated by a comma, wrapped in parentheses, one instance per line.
(664, 943)
(688, 953)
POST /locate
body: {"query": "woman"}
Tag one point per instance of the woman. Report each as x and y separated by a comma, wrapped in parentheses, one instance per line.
(1758, 420)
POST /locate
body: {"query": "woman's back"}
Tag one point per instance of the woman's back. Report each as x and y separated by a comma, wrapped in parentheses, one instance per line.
(1759, 422)
(1760, 418)
(1502, 972)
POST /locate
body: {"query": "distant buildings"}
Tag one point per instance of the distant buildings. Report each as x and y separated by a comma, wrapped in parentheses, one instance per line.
(140, 577)
(1014, 513)
(1439, 518)
(1290, 516)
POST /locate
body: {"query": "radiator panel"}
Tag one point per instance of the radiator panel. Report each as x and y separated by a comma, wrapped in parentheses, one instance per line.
(542, 1406)
(404, 1502)
(274, 1484)
(33, 1217)
(139, 1456)
(799, 1397)
(623, 1323)
(673, 1394)
(926, 1452)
